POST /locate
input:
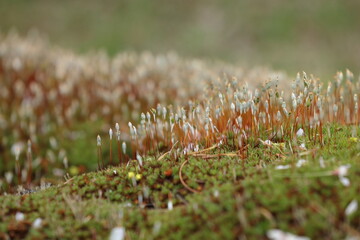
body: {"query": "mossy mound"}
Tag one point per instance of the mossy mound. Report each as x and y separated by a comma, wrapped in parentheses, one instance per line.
(216, 196)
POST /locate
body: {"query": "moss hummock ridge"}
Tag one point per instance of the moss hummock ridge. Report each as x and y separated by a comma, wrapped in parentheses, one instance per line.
(234, 197)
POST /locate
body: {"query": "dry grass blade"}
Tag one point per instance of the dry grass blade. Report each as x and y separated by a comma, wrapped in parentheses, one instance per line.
(166, 153)
(203, 150)
(182, 180)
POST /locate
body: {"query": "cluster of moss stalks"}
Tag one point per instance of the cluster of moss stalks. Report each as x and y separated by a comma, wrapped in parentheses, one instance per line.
(231, 198)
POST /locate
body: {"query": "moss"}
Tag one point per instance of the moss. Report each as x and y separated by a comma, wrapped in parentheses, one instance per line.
(234, 200)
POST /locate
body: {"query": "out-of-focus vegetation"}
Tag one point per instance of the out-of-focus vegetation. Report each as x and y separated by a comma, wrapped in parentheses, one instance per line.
(60, 100)
(286, 35)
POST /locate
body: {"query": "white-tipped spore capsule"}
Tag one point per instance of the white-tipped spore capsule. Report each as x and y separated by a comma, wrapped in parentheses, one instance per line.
(98, 140)
(124, 147)
(110, 133)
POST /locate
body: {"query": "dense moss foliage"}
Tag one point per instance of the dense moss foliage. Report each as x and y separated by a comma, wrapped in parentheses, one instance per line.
(229, 196)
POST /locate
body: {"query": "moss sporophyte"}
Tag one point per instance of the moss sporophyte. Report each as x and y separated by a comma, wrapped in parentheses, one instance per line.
(206, 157)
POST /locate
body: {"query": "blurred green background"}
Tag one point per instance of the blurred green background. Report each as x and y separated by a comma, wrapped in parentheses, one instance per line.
(319, 37)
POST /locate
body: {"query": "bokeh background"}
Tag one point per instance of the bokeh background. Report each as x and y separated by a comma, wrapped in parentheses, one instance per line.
(320, 37)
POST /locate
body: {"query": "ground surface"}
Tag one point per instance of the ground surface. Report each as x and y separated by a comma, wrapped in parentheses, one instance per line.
(221, 197)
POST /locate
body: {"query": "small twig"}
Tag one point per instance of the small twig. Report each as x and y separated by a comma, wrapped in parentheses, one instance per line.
(69, 180)
(168, 152)
(206, 156)
(182, 180)
(204, 150)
